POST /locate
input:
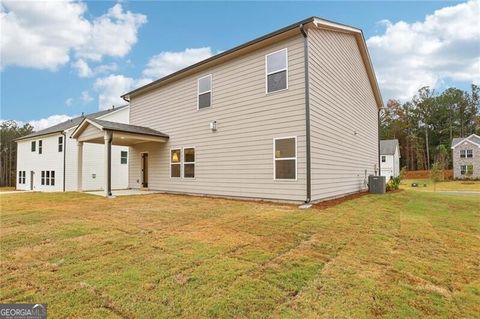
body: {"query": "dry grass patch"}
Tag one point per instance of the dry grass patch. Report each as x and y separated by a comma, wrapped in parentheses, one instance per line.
(402, 255)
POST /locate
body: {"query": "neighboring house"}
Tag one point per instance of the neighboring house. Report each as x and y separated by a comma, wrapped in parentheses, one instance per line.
(466, 157)
(289, 116)
(389, 158)
(47, 159)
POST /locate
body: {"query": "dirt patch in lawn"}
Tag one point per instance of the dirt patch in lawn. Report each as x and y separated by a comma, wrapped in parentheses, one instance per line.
(337, 201)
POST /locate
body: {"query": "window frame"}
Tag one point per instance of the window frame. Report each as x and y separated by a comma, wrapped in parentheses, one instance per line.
(283, 159)
(52, 178)
(60, 144)
(42, 179)
(384, 159)
(33, 146)
(121, 158)
(277, 71)
(40, 146)
(464, 171)
(210, 91)
(194, 163)
(463, 153)
(469, 154)
(172, 163)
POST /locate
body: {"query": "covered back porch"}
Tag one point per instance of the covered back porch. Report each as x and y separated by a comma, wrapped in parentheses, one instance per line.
(110, 133)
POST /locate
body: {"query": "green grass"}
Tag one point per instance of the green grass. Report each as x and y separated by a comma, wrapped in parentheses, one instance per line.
(408, 254)
(467, 186)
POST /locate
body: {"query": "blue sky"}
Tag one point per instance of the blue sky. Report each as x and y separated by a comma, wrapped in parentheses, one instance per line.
(42, 77)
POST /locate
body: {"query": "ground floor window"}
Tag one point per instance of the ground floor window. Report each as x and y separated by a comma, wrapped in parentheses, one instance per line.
(189, 162)
(285, 158)
(463, 169)
(175, 163)
(21, 177)
(48, 178)
(123, 157)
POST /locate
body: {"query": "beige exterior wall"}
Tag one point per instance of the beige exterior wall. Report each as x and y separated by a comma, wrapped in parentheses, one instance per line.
(237, 160)
(344, 129)
(458, 161)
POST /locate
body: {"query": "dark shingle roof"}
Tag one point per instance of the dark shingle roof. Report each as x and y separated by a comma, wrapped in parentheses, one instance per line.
(388, 147)
(60, 127)
(121, 127)
(472, 138)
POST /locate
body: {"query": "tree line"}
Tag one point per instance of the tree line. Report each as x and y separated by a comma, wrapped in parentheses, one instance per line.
(426, 124)
(9, 131)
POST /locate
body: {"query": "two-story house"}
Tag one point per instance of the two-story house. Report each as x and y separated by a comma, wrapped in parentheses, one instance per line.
(466, 157)
(292, 116)
(47, 160)
(389, 158)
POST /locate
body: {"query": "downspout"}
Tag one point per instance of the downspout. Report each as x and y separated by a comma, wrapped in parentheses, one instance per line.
(307, 118)
(379, 155)
(64, 157)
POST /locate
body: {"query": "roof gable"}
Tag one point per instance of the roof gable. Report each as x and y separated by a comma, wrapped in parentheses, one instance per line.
(473, 139)
(388, 147)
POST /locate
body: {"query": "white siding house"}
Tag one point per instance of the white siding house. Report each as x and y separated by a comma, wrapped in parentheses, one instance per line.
(389, 158)
(47, 159)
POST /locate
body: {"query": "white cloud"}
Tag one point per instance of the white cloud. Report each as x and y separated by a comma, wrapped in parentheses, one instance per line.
(44, 34)
(46, 122)
(85, 71)
(85, 97)
(168, 62)
(69, 101)
(111, 87)
(445, 46)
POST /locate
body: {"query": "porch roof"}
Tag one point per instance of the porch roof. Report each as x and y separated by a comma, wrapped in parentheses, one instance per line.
(93, 131)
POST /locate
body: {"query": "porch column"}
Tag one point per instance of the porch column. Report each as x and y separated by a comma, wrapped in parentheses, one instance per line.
(79, 166)
(108, 163)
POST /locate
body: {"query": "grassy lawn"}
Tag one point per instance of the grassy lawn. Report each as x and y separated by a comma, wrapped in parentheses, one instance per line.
(468, 186)
(402, 255)
(6, 189)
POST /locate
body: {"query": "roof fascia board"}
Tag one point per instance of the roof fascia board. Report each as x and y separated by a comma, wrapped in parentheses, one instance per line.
(36, 137)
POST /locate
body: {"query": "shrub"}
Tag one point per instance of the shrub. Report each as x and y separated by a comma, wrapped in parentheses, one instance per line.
(393, 184)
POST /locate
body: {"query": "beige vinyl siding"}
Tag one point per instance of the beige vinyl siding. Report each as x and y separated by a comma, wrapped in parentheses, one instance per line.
(237, 160)
(342, 103)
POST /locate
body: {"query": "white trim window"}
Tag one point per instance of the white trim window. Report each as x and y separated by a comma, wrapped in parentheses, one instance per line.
(21, 177)
(463, 169)
(204, 89)
(60, 144)
(463, 153)
(175, 163)
(189, 162)
(48, 178)
(384, 158)
(40, 146)
(123, 157)
(469, 153)
(276, 71)
(285, 158)
(33, 146)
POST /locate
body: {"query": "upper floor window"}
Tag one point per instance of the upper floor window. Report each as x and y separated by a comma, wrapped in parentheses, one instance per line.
(33, 146)
(462, 153)
(175, 158)
(123, 157)
(285, 158)
(205, 92)
(384, 158)
(60, 143)
(189, 162)
(277, 71)
(470, 153)
(40, 146)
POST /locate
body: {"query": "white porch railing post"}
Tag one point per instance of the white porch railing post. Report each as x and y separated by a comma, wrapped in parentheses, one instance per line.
(108, 163)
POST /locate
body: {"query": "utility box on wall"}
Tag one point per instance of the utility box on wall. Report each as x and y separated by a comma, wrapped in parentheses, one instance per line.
(376, 184)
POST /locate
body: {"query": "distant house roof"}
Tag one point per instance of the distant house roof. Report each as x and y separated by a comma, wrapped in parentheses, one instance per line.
(127, 128)
(388, 147)
(58, 128)
(474, 138)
